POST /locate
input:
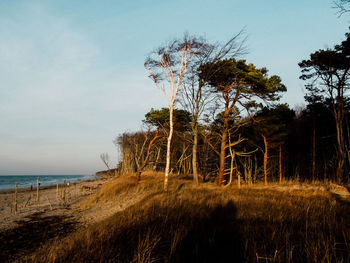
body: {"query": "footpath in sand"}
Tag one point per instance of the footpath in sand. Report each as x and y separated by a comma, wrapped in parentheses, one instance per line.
(57, 214)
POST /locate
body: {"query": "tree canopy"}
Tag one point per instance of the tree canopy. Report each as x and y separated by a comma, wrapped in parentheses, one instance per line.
(244, 80)
(160, 118)
(328, 73)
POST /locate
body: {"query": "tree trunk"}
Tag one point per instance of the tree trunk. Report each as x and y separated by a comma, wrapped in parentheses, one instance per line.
(346, 143)
(280, 164)
(222, 151)
(265, 159)
(183, 156)
(238, 179)
(340, 142)
(255, 168)
(138, 176)
(144, 162)
(338, 114)
(167, 166)
(194, 155)
(157, 160)
(314, 153)
(205, 161)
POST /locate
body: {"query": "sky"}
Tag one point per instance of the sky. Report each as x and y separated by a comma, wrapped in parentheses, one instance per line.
(72, 77)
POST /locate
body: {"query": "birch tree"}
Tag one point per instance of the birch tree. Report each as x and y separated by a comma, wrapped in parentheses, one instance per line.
(167, 66)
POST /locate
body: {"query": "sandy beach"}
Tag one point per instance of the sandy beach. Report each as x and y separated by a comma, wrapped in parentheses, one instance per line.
(52, 201)
(57, 213)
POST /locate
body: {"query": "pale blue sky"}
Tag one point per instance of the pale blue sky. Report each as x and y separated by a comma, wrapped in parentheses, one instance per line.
(72, 75)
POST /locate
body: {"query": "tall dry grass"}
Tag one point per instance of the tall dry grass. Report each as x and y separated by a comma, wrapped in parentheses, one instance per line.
(125, 185)
(211, 224)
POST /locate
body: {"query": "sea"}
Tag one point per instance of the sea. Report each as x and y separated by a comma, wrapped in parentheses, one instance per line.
(9, 181)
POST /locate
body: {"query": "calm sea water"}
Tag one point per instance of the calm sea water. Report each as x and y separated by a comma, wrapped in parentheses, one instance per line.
(9, 181)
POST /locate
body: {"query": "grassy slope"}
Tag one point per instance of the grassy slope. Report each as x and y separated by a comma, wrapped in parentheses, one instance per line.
(211, 224)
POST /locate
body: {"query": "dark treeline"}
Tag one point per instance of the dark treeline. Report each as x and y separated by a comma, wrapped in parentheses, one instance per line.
(224, 122)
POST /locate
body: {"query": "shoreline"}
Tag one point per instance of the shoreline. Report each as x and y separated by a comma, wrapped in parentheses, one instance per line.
(46, 187)
(66, 201)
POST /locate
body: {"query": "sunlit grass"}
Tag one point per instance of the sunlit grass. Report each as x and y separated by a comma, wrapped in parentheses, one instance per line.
(288, 223)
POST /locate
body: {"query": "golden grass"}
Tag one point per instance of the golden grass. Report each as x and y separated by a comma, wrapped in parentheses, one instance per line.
(211, 224)
(111, 189)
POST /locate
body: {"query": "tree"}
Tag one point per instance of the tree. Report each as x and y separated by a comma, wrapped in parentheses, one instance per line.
(272, 124)
(142, 162)
(137, 150)
(169, 64)
(105, 159)
(343, 6)
(161, 119)
(329, 74)
(195, 94)
(239, 85)
(319, 134)
(182, 122)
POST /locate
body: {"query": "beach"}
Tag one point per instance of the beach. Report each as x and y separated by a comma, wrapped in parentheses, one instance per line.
(52, 200)
(57, 214)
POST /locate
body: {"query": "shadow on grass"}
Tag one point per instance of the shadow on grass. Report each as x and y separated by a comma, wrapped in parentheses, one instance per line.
(215, 238)
(201, 225)
(180, 232)
(31, 234)
(159, 231)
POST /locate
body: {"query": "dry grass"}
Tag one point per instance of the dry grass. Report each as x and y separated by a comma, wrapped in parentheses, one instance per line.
(125, 185)
(109, 191)
(211, 224)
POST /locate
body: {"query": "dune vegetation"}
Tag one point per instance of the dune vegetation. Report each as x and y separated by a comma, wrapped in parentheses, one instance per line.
(291, 222)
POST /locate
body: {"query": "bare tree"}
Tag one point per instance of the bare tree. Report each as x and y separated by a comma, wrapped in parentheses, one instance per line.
(141, 165)
(136, 149)
(343, 6)
(195, 95)
(105, 159)
(167, 66)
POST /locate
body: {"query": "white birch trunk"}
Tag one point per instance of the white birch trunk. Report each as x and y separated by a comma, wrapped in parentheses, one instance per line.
(167, 166)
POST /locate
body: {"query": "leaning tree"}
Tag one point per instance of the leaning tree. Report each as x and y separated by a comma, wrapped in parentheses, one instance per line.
(195, 93)
(239, 85)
